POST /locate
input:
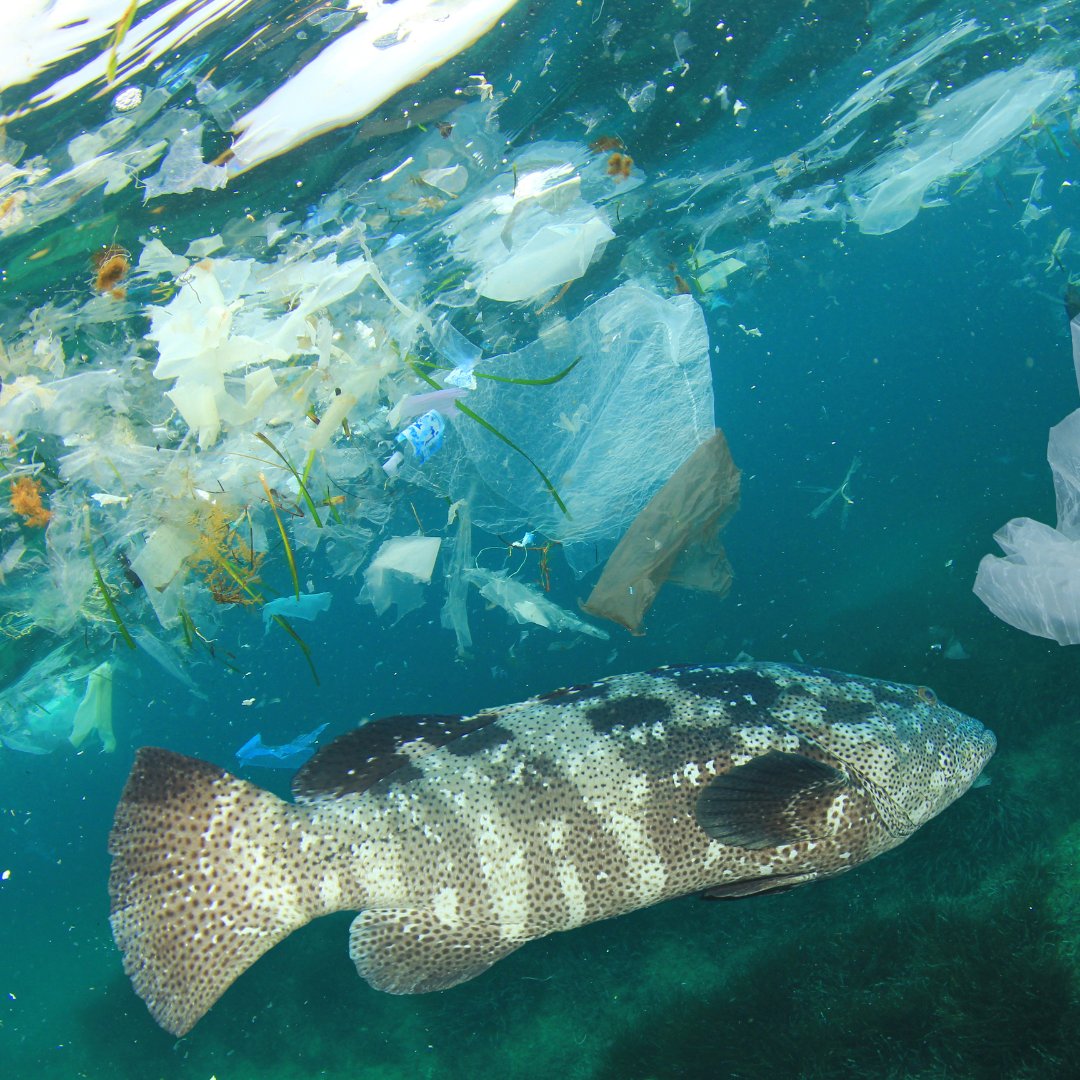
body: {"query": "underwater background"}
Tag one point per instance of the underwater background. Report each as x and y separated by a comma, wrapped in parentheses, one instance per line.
(929, 344)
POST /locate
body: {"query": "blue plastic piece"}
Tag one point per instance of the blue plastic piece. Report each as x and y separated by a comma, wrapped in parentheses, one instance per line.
(289, 755)
(424, 435)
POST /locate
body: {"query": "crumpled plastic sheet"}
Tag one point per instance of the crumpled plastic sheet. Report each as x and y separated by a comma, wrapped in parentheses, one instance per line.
(526, 604)
(290, 755)
(608, 435)
(307, 606)
(963, 129)
(1036, 586)
(400, 569)
(58, 701)
(673, 539)
(534, 227)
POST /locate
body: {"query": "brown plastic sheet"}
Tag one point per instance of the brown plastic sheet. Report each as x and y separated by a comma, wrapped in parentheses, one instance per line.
(675, 538)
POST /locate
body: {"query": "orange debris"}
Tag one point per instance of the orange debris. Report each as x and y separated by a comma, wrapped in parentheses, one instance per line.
(26, 502)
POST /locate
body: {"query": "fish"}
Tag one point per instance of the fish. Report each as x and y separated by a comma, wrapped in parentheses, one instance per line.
(458, 839)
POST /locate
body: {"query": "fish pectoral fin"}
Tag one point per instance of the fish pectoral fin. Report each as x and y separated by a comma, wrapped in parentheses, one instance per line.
(412, 951)
(773, 799)
(777, 883)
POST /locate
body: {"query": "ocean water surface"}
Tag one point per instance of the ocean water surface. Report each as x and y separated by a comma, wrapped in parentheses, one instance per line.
(240, 240)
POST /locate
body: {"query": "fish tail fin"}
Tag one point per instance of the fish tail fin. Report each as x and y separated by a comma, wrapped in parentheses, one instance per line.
(204, 881)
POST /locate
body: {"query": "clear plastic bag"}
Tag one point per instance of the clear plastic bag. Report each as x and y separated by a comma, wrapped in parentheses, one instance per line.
(608, 435)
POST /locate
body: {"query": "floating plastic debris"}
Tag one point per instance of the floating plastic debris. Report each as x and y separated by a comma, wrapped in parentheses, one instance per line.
(1035, 587)
(306, 606)
(94, 713)
(962, 130)
(58, 701)
(401, 566)
(422, 438)
(526, 604)
(673, 539)
(290, 755)
(644, 370)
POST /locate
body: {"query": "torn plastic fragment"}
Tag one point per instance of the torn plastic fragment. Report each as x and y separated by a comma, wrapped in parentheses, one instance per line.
(400, 567)
(184, 170)
(415, 404)
(960, 131)
(673, 539)
(288, 755)
(162, 655)
(94, 714)
(418, 441)
(527, 604)
(454, 615)
(713, 270)
(306, 606)
(530, 230)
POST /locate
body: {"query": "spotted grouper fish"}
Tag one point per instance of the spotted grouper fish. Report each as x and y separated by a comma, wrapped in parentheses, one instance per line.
(460, 838)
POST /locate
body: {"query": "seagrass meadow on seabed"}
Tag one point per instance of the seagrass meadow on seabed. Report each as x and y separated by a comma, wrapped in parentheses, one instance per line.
(367, 359)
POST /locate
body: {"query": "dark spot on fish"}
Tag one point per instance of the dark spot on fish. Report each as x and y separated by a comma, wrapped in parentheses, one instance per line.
(628, 712)
(736, 688)
(538, 776)
(844, 710)
(378, 750)
(893, 695)
(585, 692)
(404, 773)
(483, 738)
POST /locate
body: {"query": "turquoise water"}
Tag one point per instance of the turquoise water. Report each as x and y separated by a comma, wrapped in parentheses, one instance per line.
(936, 352)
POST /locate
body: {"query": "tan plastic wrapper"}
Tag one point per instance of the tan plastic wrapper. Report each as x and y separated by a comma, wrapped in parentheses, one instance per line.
(673, 539)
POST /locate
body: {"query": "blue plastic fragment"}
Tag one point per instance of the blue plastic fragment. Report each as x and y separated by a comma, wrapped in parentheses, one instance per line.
(424, 435)
(290, 755)
(305, 606)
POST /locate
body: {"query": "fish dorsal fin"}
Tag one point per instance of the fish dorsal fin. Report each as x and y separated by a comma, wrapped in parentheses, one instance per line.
(358, 760)
(773, 799)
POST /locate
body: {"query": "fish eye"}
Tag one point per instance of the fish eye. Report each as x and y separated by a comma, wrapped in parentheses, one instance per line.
(927, 695)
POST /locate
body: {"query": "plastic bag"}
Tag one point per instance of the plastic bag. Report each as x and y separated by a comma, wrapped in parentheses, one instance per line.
(290, 755)
(530, 230)
(94, 713)
(305, 606)
(1036, 586)
(962, 129)
(608, 435)
(673, 538)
